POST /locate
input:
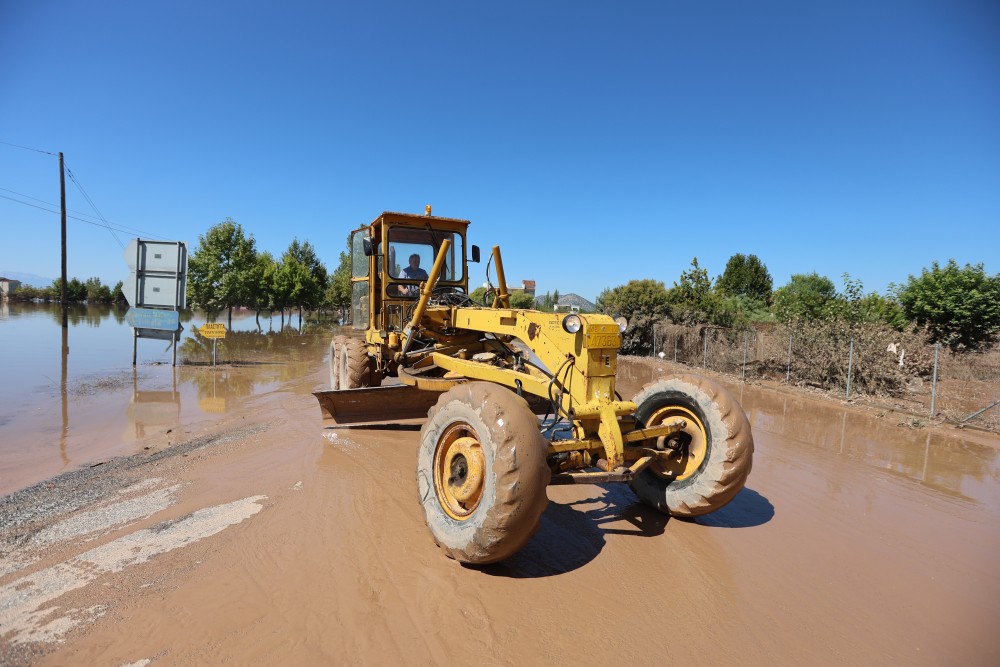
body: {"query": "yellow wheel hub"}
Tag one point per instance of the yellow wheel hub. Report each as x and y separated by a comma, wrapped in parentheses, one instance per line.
(686, 448)
(459, 471)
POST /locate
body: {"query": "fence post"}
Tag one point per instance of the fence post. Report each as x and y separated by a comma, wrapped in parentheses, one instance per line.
(850, 367)
(937, 348)
(704, 363)
(788, 370)
(743, 375)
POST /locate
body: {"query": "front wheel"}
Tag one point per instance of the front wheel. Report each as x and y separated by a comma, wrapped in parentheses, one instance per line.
(710, 458)
(481, 472)
(354, 366)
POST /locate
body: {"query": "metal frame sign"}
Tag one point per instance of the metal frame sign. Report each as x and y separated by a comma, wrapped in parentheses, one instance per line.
(156, 290)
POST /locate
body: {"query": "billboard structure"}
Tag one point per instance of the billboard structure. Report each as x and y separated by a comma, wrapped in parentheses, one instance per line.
(155, 290)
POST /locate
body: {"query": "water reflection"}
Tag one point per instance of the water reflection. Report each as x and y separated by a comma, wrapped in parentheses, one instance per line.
(151, 408)
(940, 461)
(943, 461)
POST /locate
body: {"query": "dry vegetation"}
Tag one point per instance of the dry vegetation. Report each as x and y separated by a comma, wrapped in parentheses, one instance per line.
(887, 367)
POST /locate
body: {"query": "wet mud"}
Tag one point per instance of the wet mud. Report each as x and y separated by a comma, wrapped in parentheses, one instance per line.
(259, 537)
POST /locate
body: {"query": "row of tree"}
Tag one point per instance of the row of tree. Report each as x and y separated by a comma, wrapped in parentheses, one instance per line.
(226, 271)
(89, 291)
(957, 306)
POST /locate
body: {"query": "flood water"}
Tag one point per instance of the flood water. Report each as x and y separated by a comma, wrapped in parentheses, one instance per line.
(57, 409)
(949, 462)
(64, 390)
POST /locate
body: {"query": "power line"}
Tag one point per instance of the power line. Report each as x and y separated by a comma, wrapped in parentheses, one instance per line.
(36, 150)
(89, 222)
(93, 206)
(118, 226)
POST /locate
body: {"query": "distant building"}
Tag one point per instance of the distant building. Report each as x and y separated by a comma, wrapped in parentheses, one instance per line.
(574, 303)
(8, 285)
(528, 287)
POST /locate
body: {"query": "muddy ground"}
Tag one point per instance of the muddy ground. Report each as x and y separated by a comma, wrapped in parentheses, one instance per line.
(262, 538)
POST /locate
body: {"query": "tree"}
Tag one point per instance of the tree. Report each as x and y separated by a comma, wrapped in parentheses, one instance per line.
(96, 291)
(745, 276)
(959, 306)
(479, 296)
(263, 285)
(75, 290)
(117, 295)
(856, 307)
(642, 302)
(690, 297)
(303, 275)
(338, 291)
(521, 299)
(807, 296)
(222, 268)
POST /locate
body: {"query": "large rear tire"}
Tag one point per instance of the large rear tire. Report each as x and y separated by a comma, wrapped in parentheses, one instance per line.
(712, 455)
(481, 472)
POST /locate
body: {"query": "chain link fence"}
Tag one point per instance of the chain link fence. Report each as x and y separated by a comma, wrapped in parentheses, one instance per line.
(886, 367)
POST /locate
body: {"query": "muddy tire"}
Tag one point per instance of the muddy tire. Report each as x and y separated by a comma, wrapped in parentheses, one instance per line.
(481, 472)
(335, 345)
(714, 453)
(353, 365)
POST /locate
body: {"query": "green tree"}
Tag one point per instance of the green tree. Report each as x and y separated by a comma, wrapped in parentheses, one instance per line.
(221, 269)
(96, 291)
(690, 298)
(76, 291)
(856, 307)
(117, 295)
(745, 276)
(960, 306)
(642, 302)
(521, 299)
(807, 296)
(338, 291)
(304, 276)
(263, 285)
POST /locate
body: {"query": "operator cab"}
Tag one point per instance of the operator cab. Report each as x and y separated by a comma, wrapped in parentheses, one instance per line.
(392, 256)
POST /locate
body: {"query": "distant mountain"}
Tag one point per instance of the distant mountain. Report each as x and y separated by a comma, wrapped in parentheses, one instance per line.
(27, 278)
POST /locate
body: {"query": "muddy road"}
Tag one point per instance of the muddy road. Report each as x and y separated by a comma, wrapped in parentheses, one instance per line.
(262, 538)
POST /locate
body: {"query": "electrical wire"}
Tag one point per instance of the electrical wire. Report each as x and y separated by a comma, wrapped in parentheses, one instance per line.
(120, 228)
(92, 205)
(36, 150)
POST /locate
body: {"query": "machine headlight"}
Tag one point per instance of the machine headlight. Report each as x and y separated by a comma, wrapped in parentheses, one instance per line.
(572, 323)
(622, 323)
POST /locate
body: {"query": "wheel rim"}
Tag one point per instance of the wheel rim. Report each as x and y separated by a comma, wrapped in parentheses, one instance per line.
(459, 471)
(687, 448)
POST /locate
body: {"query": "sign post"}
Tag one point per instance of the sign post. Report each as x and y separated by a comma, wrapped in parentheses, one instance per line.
(155, 290)
(215, 331)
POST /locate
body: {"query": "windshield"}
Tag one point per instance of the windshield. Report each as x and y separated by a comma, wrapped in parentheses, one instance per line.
(411, 254)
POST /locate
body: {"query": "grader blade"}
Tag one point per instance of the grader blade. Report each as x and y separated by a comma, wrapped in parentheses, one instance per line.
(375, 405)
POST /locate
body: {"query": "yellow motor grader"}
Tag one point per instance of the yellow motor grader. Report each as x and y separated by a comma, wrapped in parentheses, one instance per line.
(483, 373)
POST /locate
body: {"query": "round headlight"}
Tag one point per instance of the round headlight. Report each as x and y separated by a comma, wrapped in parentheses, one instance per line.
(622, 323)
(572, 323)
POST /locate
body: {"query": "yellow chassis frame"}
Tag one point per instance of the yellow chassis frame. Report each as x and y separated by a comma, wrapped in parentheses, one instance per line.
(584, 364)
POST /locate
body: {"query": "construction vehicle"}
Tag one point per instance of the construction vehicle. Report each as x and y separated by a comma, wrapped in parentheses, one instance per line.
(482, 373)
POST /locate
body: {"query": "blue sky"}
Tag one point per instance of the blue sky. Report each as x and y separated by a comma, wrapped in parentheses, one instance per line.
(594, 142)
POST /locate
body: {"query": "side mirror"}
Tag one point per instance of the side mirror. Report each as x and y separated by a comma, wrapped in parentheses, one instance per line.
(475, 254)
(369, 246)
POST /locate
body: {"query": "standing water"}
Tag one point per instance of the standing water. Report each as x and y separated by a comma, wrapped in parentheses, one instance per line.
(71, 397)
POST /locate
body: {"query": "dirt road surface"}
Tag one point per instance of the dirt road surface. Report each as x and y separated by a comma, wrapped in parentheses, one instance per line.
(263, 538)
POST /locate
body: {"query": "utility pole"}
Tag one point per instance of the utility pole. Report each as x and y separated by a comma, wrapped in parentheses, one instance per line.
(62, 202)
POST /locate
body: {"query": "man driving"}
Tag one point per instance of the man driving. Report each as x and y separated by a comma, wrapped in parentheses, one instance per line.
(412, 272)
